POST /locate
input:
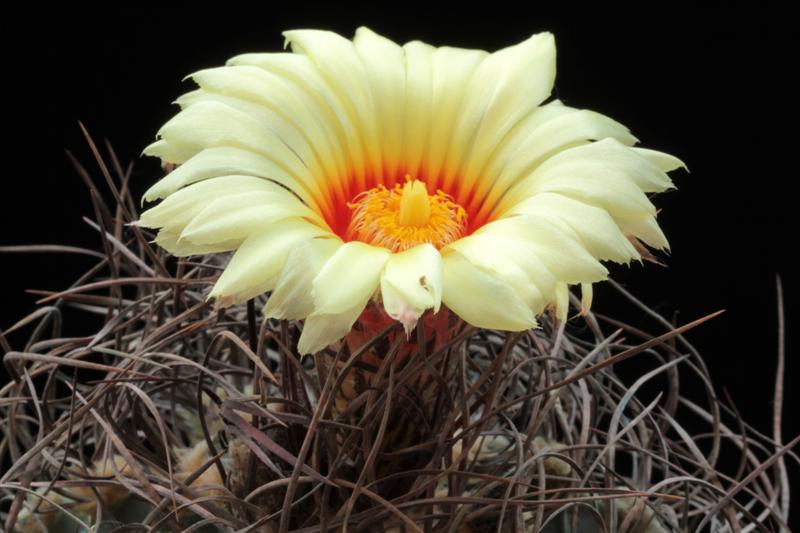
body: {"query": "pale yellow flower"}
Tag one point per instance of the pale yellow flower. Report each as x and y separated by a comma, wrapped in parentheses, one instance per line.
(349, 170)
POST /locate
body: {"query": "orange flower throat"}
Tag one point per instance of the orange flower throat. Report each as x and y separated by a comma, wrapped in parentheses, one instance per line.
(405, 216)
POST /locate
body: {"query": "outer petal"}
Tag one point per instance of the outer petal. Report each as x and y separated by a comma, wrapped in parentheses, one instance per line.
(531, 256)
(593, 226)
(506, 86)
(562, 301)
(326, 103)
(665, 162)
(562, 254)
(294, 135)
(587, 294)
(412, 283)
(169, 152)
(418, 110)
(211, 124)
(292, 298)
(240, 215)
(171, 242)
(320, 330)
(482, 299)
(645, 229)
(512, 262)
(541, 135)
(223, 161)
(340, 291)
(350, 277)
(384, 64)
(452, 69)
(336, 59)
(176, 212)
(605, 173)
(274, 92)
(255, 266)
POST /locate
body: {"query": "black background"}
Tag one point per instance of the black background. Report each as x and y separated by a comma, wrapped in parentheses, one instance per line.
(709, 85)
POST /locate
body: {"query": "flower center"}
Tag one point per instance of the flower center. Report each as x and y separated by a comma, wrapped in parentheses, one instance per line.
(405, 216)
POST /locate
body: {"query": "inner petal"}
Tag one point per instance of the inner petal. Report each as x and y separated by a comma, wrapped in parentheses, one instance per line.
(405, 216)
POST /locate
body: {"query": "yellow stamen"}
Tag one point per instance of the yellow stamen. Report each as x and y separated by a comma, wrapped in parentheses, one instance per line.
(405, 216)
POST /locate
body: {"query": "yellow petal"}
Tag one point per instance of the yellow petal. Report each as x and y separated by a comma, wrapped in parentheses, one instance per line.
(412, 283)
(452, 69)
(294, 136)
(348, 278)
(417, 107)
(511, 262)
(169, 152)
(587, 293)
(665, 162)
(565, 257)
(291, 299)
(340, 66)
(223, 161)
(530, 124)
(480, 298)
(255, 266)
(593, 226)
(506, 86)
(276, 93)
(176, 211)
(238, 216)
(645, 229)
(320, 330)
(544, 133)
(325, 103)
(171, 242)
(384, 64)
(606, 174)
(562, 301)
(211, 124)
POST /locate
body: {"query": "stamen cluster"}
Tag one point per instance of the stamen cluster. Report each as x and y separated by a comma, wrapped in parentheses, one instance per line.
(376, 219)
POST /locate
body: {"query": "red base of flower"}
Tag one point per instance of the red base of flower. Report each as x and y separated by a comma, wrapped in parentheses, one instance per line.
(438, 330)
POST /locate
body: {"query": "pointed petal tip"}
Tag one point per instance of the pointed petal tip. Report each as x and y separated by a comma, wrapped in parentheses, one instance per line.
(221, 301)
(409, 322)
